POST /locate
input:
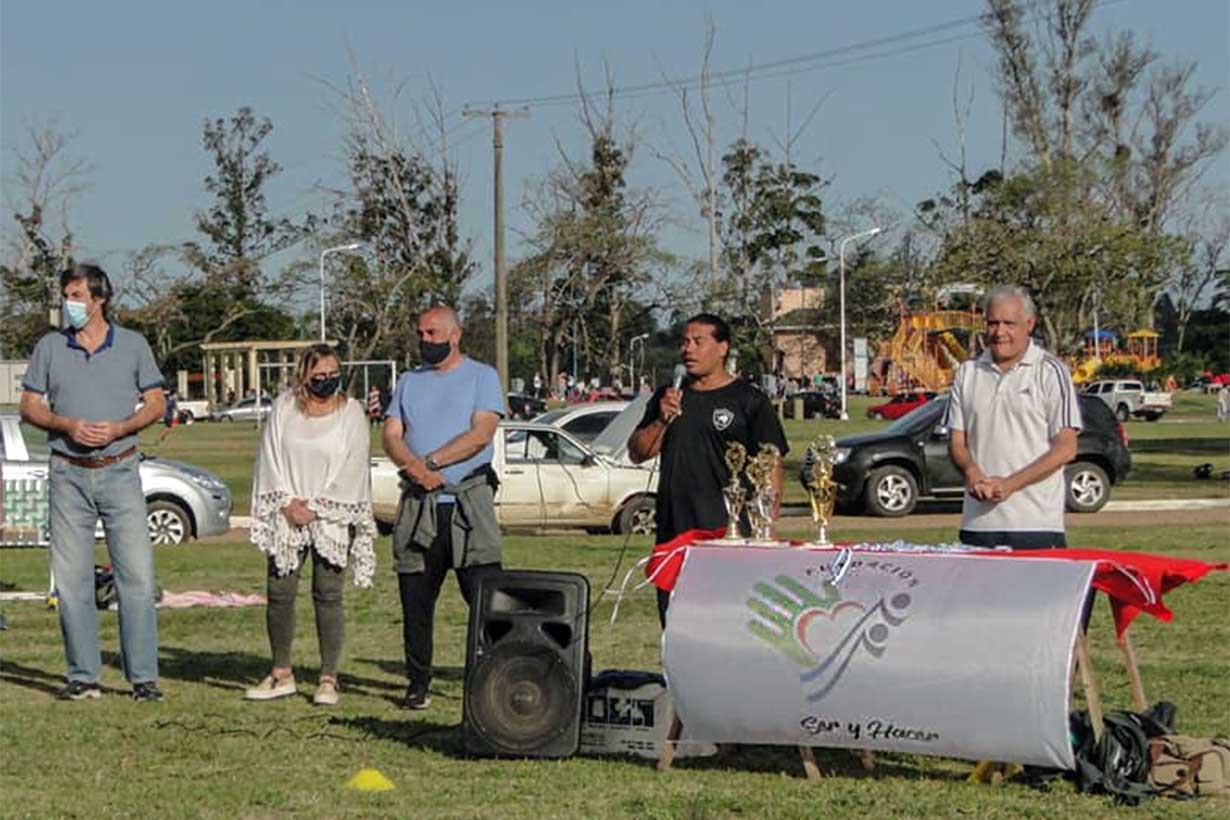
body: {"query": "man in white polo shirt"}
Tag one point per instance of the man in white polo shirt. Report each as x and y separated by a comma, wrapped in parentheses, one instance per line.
(1014, 417)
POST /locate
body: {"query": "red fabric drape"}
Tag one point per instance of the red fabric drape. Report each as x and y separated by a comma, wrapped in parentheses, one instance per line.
(1135, 582)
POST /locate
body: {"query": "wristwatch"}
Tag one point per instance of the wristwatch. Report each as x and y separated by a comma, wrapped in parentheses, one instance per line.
(431, 464)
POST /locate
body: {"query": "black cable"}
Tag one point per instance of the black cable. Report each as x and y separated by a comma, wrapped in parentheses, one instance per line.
(790, 65)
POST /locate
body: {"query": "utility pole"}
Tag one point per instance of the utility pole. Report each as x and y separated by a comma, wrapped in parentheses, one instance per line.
(497, 115)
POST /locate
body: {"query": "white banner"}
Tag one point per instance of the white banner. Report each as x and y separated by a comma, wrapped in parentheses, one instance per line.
(860, 364)
(950, 655)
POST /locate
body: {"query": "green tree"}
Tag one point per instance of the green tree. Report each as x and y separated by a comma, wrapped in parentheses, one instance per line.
(238, 225)
(1039, 229)
(594, 253)
(1108, 129)
(771, 224)
(221, 288)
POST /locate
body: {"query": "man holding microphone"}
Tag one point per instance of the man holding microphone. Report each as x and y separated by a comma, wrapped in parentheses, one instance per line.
(690, 423)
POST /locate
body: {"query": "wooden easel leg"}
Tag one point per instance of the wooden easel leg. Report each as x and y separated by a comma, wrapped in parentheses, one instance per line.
(868, 759)
(1138, 686)
(1093, 695)
(809, 763)
(667, 756)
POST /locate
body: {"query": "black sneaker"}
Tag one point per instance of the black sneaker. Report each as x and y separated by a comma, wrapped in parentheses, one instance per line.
(80, 690)
(147, 693)
(416, 696)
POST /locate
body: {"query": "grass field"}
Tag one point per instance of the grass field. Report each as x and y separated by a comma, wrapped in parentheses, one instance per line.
(205, 753)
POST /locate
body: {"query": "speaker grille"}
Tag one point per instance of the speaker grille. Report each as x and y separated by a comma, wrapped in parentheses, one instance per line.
(522, 697)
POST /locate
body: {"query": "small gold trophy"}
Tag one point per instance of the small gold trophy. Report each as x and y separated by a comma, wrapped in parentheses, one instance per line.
(760, 472)
(820, 486)
(733, 494)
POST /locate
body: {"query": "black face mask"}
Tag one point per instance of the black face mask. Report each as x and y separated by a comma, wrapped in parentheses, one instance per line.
(325, 387)
(432, 353)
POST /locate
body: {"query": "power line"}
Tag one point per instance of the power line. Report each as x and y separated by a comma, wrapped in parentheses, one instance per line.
(791, 65)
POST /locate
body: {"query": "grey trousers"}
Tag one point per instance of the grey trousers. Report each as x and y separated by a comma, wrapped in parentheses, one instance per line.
(327, 583)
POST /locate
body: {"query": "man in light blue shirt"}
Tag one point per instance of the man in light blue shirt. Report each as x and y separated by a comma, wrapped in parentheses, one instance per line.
(438, 431)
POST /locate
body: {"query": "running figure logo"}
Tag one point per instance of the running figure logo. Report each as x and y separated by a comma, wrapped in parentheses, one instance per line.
(820, 631)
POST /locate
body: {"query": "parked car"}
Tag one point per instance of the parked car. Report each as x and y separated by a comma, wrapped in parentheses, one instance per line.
(193, 409)
(585, 421)
(182, 501)
(246, 409)
(888, 472)
(525, 407)
(1128, 398)
(816, 403)
(547, 478)
(899, 405)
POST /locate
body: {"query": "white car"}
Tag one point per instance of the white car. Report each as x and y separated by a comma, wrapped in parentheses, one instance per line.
(585, 421)
(548, 479)
(182, 501)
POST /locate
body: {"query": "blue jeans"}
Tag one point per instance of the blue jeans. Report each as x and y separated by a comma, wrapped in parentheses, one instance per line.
(78, 497)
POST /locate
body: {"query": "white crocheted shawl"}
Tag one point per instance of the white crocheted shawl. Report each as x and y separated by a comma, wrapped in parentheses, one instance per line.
(325, 461)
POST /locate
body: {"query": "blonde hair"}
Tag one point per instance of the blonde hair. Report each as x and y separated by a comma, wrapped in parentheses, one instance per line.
(311, 356)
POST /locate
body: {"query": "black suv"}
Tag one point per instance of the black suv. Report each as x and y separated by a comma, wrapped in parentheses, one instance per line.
(888, 472)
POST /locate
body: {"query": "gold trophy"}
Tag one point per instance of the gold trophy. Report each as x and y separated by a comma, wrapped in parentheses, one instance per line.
(760, 472)
(820, 486)
(733, 494)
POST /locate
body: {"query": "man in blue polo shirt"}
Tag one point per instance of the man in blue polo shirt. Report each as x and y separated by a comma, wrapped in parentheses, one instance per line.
(438, 432)
(81, 386)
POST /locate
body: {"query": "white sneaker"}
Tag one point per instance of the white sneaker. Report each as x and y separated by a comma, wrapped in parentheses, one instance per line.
(272, 688)
(326, 694)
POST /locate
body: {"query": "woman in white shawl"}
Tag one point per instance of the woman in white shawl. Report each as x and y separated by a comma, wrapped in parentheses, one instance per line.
(312, 494)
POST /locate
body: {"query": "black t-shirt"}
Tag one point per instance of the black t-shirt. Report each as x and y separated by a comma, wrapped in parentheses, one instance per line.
(693, 458)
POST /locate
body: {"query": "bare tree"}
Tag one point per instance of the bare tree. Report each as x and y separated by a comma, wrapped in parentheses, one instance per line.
(402, 200)
(700, 174)
(44, 180)
(594, 243)
(1208, 235)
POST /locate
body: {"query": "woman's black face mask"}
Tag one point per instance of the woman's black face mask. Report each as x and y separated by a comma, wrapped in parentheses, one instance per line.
(322, 387)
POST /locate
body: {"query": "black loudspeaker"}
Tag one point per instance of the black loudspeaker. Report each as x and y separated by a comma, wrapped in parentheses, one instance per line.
(526, 665)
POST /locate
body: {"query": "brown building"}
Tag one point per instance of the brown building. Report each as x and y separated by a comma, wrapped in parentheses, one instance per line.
(801, 346)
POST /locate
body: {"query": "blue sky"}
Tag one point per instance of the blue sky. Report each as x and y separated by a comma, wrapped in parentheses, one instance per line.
(135, 80)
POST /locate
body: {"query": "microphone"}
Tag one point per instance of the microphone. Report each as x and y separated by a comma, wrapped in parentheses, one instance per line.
(680, 372)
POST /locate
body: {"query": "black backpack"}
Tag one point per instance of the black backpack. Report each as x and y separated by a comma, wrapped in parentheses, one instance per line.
(1118, 764)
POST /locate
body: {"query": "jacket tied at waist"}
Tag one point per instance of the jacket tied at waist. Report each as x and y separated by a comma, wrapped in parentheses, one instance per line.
(475, 529)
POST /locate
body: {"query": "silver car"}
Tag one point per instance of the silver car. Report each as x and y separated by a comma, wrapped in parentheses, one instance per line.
(182, 501)
(245, 409)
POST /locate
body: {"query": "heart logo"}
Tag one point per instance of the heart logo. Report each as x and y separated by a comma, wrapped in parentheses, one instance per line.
(821, 629)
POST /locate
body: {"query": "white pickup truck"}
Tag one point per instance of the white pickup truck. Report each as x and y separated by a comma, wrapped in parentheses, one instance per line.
(1128, 398)
(198, 409)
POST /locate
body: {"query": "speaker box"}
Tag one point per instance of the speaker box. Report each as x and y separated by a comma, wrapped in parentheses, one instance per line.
(526, 653)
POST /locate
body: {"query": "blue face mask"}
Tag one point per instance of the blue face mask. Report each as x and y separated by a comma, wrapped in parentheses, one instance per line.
(76, 314)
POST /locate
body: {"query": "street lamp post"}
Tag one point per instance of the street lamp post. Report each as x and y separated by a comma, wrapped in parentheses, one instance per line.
(841, 264)
(632, 359)
(352, 246)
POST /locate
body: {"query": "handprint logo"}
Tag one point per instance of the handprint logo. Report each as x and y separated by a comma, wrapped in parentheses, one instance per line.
(816, 630)
(785, 606)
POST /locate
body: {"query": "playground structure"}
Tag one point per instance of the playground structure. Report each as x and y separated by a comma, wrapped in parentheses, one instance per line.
(1141, 353)
(928, 347)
